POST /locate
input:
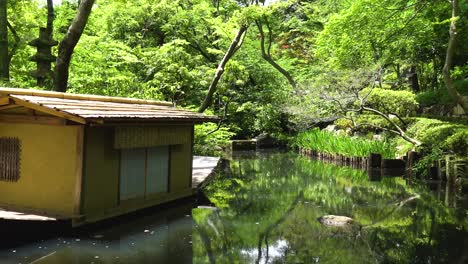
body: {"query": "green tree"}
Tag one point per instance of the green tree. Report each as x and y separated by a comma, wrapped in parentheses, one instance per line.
(4, 54)
(68, 43)
(449, 57)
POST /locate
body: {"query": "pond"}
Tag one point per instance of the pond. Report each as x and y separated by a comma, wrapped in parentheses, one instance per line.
(265, 209)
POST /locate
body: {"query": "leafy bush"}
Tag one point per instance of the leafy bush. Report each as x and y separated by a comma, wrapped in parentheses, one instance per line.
(343, 123)
(461, 86)
(210, 144)
(443, 135)
(441, 96)
(402, 103)
(427, 161)
(433, 97)
(326, 142)
(457, 142)
(373, 124)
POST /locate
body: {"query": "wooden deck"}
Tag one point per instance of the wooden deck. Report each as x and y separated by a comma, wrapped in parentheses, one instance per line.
(203, 167)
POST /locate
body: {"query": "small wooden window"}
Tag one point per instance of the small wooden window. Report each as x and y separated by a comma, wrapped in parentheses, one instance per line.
(10, 150)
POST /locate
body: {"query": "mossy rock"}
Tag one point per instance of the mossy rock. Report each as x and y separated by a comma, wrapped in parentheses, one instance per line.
(336, 220)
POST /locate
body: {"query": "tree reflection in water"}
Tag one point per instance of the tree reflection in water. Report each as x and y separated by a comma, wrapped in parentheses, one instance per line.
(271, 202)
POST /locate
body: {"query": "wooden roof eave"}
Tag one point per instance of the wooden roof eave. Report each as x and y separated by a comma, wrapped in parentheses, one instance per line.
(7, 103)
(4, 100)
(47, 110)
(83, 111)
(98, 98)
(148, 121)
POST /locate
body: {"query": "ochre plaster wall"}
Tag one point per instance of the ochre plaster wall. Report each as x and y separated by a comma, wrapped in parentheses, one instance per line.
(181, 167)
(48, 169)
(101, 171)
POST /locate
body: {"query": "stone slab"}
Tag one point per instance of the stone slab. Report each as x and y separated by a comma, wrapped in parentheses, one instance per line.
(202, 168)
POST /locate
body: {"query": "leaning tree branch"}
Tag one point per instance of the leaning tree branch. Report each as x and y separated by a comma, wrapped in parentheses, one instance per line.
(398, 205)
(389, 112)
(399, 118)
(376, 127)
(68, 43)
(263, 236)
(239, 45)
(270, 36)
(403, 122)
(266, 56)
(220, 70)
(220, 122)
(400, 131)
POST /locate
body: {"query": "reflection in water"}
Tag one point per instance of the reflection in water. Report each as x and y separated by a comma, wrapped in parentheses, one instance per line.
(264, 209)
(276, 199)
(165, 237)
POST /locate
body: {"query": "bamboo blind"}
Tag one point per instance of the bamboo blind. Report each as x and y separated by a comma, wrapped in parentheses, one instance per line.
(144, 137)
(10, 150)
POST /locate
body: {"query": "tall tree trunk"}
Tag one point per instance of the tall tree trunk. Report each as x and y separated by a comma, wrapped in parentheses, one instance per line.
(50, 18)
(396, 67)
(267, 56)
(236, 42)
(15, 45)
(67, 45)
(434, 72)
(4, 61)
(413, 79)
(449, 59)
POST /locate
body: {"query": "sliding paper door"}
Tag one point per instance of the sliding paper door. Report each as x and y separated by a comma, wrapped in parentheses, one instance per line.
(157, 170)
(132, 173)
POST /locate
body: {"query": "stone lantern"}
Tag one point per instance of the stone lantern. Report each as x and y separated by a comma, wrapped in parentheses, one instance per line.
(44, 56)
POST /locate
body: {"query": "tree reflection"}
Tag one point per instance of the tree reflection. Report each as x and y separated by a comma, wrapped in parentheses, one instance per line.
(270, 204)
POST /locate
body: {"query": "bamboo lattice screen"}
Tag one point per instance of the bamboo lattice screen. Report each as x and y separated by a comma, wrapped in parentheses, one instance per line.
(10, 150)
(144, 137)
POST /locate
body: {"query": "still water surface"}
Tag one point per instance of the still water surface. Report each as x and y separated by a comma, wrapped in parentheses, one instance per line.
(264, 209)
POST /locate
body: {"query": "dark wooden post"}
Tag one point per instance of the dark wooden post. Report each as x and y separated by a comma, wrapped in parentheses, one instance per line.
(375, 160)
(442, 169)
(450, 169)
(450, 195)
(412, 158)
(373, 167)
(434, 173)
(375, 174)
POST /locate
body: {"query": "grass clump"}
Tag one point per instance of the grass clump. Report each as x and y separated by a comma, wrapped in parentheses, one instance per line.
(326, 142)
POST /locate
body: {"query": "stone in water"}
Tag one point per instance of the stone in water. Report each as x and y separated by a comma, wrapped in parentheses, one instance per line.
(335, 220)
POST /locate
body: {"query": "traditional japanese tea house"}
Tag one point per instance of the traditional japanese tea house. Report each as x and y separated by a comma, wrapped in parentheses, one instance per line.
(88, 158)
